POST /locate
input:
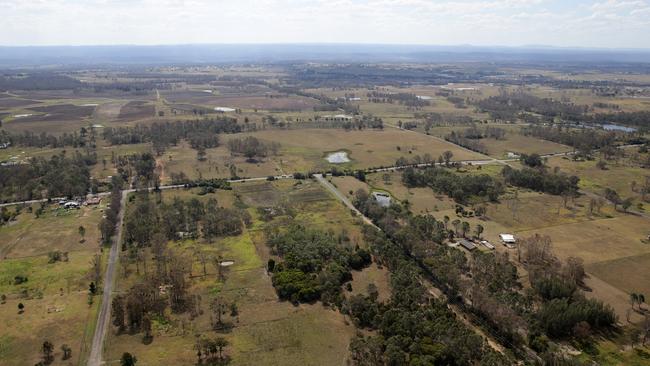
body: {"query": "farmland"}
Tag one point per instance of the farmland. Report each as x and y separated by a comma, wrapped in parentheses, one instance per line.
(277, 270)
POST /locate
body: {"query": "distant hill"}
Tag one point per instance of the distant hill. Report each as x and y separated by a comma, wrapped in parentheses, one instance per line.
(280, 53)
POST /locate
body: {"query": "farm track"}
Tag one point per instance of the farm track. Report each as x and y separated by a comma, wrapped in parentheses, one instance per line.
(104, 315)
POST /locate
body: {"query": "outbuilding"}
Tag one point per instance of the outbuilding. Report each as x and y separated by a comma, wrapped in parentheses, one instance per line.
(467, 244)
(508, 240)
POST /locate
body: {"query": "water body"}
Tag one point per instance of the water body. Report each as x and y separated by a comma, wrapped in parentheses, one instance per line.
(338, 157)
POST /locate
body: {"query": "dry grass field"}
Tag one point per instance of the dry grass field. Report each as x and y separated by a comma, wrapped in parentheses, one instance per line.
(55, 295)
(307, 148)
(513, 141)
(618, 176)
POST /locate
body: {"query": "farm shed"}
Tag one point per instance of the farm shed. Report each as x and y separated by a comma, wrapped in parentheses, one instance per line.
(467, 244)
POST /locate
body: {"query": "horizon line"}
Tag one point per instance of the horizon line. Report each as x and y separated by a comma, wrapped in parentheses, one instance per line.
(495, 46)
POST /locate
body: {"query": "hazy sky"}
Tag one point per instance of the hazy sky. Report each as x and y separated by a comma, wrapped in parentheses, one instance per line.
(599, 23)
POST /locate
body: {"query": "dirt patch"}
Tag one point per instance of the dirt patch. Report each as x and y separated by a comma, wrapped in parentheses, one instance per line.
(109, 110)
(59, 112)
(258, 194)
(137, 110)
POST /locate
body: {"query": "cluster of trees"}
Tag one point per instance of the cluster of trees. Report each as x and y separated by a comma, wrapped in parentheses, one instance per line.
(407, 99)
(210, 351)
(164, 134)
(252, 147)
(137, 168)
(31, 139)
(542, 180)
(357, 123)
(57, 176)
(475, 132)
(6, 215)
(314, 264)
(47, 353)
(533, 160)
(583, 140)
(563, 310)
(459, 187)
(469, 143)
(509, 106)
(180, 219)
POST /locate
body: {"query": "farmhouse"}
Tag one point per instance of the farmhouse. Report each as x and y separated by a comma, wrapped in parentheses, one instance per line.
(383, 199)
(337, 118)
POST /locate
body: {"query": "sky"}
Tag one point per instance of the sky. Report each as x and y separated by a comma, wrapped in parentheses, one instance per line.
(565, 23)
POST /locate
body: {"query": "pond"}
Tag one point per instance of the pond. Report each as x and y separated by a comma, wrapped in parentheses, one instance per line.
(338, 157)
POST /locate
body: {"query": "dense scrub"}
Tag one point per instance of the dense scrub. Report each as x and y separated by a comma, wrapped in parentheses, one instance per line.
(314, 264)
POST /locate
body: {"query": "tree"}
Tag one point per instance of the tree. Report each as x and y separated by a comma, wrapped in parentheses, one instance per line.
(613, 197)
(128, 359)
(465, 228)
(67, 351)
(21, 308)
(626, 203)
(92, 289)
(634, 298)
(220, 344)
(479, 230)
(47, 349)
(456, 225)
(82, 233)
(447, 155)
(118, 313)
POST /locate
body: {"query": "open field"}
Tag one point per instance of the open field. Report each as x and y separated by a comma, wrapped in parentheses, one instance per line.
(617, 176)
(55, 295)
(30, 236)
(306, 148)
(513, 142)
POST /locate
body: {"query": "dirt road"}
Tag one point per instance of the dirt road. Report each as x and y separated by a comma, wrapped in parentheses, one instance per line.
(104, 316)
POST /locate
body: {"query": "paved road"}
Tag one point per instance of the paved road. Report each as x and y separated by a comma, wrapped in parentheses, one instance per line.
(104, 316)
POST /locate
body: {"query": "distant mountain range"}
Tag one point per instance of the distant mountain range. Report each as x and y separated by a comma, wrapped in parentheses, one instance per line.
(279, 53)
